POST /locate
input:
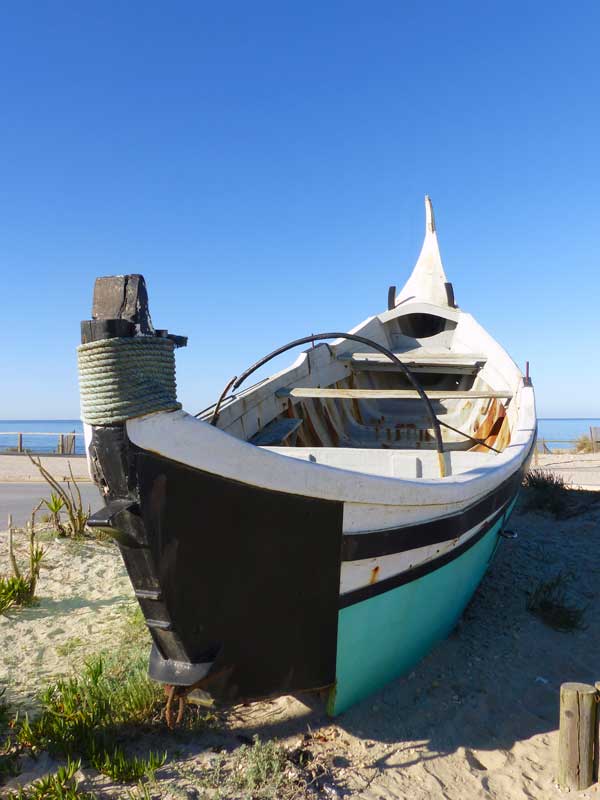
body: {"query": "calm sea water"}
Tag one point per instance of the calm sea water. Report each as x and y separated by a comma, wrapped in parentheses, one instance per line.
(553, 429)
(39, 444)
(548, 429)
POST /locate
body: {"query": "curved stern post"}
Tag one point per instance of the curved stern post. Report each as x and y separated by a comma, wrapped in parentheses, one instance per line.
(120, 311)
(239, 584)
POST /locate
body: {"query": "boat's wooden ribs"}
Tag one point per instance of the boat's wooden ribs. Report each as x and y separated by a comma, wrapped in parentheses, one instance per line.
(393, 394)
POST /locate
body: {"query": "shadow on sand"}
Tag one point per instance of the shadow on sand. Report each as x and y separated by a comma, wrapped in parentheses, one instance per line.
(496, 679)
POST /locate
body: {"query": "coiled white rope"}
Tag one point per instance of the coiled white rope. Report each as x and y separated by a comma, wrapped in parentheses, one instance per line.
(126, 377)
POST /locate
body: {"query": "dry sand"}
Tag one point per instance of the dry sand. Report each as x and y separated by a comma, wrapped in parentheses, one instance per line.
(477, 719)
(17, 468)
(83, 593)
(576, 469)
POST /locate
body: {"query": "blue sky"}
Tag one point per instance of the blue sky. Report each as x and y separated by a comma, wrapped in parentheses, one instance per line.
(264, 164)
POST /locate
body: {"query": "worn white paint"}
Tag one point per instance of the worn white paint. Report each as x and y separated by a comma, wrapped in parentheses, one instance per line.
(391, 489)
(427, 280)
(356, 574)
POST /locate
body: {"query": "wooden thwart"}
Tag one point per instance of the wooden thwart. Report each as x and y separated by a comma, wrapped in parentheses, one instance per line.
(453, 363)
(276, 432)
(576, 741)
(391, 394)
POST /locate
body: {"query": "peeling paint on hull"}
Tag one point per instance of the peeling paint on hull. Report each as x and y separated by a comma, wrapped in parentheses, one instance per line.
(382, 638)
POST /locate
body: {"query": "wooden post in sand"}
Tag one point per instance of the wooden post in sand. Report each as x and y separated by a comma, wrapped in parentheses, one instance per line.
(597, 741)
(576, 736)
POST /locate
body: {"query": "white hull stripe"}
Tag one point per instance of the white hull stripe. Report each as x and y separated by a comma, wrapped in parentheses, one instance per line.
(358, 574)
(447, 528)
(380, 587)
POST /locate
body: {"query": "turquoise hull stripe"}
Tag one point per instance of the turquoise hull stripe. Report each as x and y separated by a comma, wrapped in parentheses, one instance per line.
(383, 637)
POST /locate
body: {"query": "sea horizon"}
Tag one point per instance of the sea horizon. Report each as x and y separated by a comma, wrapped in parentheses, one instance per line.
(556, 432)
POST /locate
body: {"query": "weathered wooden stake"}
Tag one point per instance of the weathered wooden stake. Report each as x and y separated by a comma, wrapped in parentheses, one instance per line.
(597, 739)
(577, 734)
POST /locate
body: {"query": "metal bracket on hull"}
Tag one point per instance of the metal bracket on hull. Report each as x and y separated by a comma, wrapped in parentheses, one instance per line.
(121, 520)
(178, 673)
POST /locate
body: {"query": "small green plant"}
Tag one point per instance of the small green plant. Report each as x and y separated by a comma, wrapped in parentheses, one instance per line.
(140, 792)
(86, 715)
(124, 768)
(260, 765)
(70, 496)
(548, 601)
(55, 505)
(260, 770)
(546, 491)
(69, 647)
(14, 591)
(8, 757)
(18, 589)
(82, 714)
(60, 786)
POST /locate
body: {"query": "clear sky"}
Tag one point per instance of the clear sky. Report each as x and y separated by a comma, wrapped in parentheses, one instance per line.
(263, 164)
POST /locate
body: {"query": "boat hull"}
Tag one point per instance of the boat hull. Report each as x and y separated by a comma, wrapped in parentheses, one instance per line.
(240, 585)
(384, 636)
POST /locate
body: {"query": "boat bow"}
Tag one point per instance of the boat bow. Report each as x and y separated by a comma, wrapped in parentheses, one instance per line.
(428, 282)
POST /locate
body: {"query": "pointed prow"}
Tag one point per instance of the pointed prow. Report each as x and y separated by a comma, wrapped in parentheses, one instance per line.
(429, 216)
(428, 282)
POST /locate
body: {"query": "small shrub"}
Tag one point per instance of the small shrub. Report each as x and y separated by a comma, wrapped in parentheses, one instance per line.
(548, 601)
(8, 757)
(261, 770)
(68, 498)
(60, 786)
(85, 715)
(124, 768)
(546, 491)
(263, 764)
(18, 589)
(14, 591)
(583, 444)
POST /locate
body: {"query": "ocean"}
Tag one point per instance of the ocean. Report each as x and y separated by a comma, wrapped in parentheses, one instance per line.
(550, 430)
(47, 443)
(554, 430)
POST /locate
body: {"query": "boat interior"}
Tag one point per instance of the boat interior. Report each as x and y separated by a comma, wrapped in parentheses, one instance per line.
(345, 404)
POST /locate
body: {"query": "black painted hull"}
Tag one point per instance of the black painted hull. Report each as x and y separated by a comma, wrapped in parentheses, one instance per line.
(241, 585)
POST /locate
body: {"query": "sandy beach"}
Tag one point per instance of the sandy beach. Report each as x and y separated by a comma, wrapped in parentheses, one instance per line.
(478, 718)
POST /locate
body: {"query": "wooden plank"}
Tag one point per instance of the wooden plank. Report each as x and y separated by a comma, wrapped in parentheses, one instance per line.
(448, 369)
(442, 359)
(391, 394)
(276, 432)
(451, 363)
(577, 731)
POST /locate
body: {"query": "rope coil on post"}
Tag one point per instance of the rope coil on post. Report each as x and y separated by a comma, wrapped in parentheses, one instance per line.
(126, 377)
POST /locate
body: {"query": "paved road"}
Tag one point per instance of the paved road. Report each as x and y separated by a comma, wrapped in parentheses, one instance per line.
(19, 499)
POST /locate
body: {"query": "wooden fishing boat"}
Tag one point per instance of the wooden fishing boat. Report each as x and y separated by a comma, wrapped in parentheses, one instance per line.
(323, 528)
